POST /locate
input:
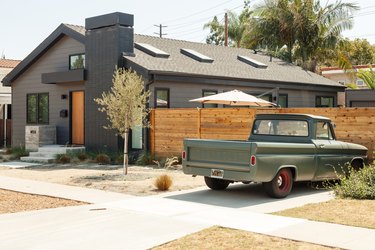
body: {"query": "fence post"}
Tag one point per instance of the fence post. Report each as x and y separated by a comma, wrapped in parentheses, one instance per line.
(152, 131)
(199, 123)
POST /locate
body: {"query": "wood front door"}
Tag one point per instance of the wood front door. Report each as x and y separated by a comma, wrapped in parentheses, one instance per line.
(77, 117)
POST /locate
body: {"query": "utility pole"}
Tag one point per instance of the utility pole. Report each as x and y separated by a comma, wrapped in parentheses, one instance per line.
(226, 29)
(161, 34)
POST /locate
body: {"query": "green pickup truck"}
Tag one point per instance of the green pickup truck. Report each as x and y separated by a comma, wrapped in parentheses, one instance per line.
(282, 149)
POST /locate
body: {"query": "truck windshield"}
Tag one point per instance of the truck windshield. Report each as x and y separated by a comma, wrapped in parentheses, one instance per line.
(281, 127)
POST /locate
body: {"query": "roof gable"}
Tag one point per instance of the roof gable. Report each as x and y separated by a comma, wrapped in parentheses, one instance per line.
(73, 31)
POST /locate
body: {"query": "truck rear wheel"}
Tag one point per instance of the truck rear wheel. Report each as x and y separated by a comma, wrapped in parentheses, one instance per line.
(281, 185)
(216, 184)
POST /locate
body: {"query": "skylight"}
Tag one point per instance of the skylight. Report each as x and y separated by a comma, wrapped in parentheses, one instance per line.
(151, 50)
(196, 55)
(252, 62)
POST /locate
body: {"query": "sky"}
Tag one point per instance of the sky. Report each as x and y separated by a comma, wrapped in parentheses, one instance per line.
(24, 24)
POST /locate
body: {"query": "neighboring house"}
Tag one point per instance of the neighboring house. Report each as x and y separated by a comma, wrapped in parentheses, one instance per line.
(57, 83)
(339, 75)
(6, 65)
(360, 97)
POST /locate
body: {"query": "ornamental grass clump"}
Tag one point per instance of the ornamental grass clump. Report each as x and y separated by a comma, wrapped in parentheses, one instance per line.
(63, 158)
(357, 184)
(102, 159)
(163, 182)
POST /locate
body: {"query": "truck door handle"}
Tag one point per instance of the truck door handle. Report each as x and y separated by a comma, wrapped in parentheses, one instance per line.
(322, 146)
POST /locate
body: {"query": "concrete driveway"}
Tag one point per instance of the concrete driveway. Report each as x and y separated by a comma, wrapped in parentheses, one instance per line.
(143, 222)
(251, 197)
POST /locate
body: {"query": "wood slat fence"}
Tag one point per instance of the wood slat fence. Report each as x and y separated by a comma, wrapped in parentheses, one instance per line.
(170, 126)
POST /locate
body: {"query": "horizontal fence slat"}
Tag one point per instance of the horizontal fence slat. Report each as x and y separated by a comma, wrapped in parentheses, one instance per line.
(171, 126)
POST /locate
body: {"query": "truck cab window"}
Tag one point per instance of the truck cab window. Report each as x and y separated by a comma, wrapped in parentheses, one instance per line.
(323, 131)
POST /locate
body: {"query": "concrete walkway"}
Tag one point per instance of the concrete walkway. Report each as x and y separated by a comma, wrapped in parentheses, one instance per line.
(117, 221)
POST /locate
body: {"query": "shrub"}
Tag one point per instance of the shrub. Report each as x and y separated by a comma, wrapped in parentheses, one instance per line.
(171, 162)
(63, 158)
(8, 151)
(18, 152)
(82, 156)
(144, 158)
(357, 184)
(102, 159)
(163, 182)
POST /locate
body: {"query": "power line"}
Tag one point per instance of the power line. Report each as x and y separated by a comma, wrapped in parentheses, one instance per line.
(161, 34)
(179, 25)
(196, 30)
(197, 13)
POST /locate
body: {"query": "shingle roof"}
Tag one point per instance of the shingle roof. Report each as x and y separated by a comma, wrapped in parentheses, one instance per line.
(225, 60)
(8, 63)
(225, 64)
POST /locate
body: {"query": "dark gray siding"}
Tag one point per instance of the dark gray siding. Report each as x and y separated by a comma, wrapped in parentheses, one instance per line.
(360, 98)
(181, 93)
(104, 49)
(56, 59)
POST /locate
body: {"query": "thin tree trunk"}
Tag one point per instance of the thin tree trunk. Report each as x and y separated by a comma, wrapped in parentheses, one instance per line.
(126, 156)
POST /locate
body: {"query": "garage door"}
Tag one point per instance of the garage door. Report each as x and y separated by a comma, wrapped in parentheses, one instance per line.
(362, 104)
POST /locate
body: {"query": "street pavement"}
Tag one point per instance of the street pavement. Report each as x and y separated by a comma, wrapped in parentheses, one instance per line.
(116, 221)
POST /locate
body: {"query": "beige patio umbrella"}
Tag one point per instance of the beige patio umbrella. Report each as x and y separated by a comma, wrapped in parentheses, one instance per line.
(234, 98)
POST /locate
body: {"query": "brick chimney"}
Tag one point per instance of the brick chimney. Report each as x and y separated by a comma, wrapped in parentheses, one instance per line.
(107, 37)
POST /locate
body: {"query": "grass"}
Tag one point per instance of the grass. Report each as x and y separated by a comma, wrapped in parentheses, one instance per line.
(359, 213)
(163, 182)
(224, 238)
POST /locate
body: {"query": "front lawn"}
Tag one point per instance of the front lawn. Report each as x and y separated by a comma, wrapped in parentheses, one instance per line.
(359, 213)
(224, 238)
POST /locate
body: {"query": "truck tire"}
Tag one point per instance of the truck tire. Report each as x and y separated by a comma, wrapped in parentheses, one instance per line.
(216, 184)
(357, 164)
(281, 185)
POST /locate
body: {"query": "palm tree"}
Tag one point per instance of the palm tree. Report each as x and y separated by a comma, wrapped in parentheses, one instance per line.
(303, 26)
(236, 29)
(368, 77)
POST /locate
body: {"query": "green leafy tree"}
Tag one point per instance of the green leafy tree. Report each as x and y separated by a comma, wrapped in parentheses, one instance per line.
(125, 105)
(216, 35)
(361, 52)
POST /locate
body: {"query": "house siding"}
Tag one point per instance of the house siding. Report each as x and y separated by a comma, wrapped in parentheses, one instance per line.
(54, 60)
(104, 47)
(181, 93)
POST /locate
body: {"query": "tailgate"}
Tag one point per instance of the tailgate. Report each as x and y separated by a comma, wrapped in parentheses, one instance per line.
(205, 156)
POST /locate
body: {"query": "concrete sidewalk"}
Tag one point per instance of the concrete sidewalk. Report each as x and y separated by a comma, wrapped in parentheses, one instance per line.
(59, 190)
(126, 222)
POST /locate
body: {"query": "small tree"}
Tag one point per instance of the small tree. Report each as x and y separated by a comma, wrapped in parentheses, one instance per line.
(125, 105)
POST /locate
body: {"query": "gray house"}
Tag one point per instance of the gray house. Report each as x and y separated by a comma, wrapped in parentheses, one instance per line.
(57, 82)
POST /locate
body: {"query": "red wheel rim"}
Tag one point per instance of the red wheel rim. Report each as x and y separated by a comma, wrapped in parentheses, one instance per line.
(283, 181)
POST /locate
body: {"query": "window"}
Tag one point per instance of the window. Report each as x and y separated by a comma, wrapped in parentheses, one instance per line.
(207, 92)
(196, 55)
(324, 101)
(267, 98)
(252, 62)
(283, 100)
(323, 131)
(151, 50)
(281, 128)
(161, 98)
(77, 61)
(360, 83)
(37, 108)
